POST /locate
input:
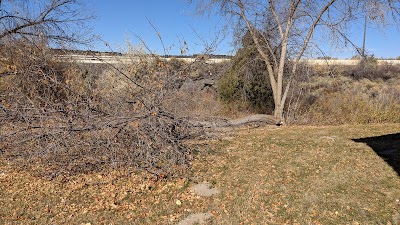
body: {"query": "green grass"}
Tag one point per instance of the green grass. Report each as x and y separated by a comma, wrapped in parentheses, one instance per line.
(270, 175)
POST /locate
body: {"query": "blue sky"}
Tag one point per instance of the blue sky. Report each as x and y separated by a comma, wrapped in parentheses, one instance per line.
(120, 20)
(175, 20)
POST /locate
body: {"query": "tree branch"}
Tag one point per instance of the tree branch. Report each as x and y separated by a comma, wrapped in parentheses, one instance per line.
(258, 46)
(312, 28)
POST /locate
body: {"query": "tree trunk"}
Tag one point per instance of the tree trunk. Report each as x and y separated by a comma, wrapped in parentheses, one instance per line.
(223, 123)
(279, 96)
(278, 112)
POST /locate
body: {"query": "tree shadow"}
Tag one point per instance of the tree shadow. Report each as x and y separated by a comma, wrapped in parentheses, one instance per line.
(387, 147)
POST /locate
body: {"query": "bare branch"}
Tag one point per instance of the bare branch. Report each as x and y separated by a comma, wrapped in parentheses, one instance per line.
(158, 35)
(258, 44)
(312, 28)
(278, 21)
(51, 19)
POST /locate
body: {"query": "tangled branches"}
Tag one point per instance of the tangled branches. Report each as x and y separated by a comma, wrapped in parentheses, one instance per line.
(58, 118)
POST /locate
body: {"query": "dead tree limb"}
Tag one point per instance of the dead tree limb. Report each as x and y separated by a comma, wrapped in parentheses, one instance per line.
(257, 118)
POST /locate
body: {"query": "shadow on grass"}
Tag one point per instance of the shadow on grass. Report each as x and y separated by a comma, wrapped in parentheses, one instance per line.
(387, 147)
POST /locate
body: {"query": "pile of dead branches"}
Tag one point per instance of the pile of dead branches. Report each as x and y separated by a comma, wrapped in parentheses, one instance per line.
(57, 118)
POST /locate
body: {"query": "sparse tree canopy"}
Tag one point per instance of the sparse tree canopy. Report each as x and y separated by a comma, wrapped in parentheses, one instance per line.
(283, 30)
(56, 21)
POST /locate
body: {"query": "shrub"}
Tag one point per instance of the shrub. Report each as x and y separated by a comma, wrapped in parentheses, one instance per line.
(230, 87)
(246, 83)
(344, 108)
(343, 100)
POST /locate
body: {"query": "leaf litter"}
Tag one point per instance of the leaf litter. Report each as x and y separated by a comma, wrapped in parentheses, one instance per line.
(286, 176)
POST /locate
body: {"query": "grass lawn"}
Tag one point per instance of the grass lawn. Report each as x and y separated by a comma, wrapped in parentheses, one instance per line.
(269, 175)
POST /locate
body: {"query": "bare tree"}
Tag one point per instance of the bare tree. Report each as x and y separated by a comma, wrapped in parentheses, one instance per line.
(283, 30)
(57, 21)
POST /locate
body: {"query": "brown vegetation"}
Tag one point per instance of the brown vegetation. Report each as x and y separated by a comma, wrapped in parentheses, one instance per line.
(346, 95)
(81, 118)
(82, 143)
(296, 174)
(58, 119)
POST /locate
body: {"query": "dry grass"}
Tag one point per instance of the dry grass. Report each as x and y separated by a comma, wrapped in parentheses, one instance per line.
(326, 100)
(301, 174)
(304, 175)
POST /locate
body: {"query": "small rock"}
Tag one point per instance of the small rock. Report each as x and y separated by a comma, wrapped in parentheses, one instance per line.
(199, 218)
(204, 190)
(114, 206)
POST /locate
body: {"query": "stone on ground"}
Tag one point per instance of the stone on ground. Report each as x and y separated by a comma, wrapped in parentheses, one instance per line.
(199, 218)
(204, 190)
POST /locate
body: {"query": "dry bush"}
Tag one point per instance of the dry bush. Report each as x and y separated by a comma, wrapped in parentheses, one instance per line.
(336, 96)
(194, 91)
(370, 69)
(361, 101)
(185, 89)
(58, 119)
(184, 103)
